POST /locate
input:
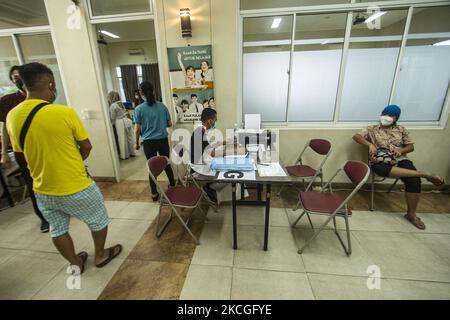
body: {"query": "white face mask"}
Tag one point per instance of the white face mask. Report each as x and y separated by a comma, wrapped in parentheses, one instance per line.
(386, 120)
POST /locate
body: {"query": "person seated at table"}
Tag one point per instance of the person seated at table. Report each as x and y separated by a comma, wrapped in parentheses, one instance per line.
(202, 150)
(388, 140)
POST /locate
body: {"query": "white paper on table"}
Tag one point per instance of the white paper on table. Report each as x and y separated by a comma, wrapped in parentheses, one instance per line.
(253, 121)
(271, 170)
(242, 175)
(203, 169)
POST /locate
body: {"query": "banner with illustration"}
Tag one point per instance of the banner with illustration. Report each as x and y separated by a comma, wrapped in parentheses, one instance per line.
(192, 81)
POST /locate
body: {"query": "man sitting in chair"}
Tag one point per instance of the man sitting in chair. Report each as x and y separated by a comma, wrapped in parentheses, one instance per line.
(201, 148)
(388, 145)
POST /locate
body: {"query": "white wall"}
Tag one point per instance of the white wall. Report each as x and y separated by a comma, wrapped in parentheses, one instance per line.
(76, 62)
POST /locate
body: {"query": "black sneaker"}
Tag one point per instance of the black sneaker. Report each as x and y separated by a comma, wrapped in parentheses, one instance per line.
(45, 227)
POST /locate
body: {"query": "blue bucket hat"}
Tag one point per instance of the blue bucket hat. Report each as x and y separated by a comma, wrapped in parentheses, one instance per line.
(392, 111)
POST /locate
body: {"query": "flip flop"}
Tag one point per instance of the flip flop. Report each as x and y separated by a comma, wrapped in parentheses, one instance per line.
(416, 222)
(111, 255)
(83, 255)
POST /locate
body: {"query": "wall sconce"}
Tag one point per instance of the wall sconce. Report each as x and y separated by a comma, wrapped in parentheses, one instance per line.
(185, 18)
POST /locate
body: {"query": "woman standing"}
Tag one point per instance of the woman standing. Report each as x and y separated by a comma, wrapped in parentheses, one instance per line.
(122, 125)
(151, 122)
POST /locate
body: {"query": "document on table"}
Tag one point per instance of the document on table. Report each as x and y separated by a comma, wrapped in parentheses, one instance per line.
(271, 170)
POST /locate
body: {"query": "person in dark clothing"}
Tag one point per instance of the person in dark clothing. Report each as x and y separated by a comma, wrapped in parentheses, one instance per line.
(151, 122)
(7, 103)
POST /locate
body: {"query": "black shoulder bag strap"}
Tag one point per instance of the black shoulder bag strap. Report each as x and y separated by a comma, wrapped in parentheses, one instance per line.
(27, 123)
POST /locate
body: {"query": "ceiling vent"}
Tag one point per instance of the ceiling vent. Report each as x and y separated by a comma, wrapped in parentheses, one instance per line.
(136, 52)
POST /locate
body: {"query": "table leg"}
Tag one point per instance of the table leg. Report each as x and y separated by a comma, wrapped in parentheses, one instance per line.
(266, 224)
(259, 191)
(233, 194)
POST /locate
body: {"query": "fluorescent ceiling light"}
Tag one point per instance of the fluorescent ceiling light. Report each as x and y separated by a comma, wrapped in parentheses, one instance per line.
(276, 22)
(374, 16)
(442, 43)
(109, 34)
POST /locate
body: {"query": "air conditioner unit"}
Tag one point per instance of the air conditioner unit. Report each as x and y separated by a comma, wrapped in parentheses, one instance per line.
(136, 52)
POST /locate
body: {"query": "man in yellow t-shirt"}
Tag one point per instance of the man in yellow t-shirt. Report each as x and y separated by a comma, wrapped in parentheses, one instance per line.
(55, 146)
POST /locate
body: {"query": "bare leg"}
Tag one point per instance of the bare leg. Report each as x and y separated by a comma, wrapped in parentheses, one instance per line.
(412, 200)
(65, 246)
(99, 243)
(397, 172)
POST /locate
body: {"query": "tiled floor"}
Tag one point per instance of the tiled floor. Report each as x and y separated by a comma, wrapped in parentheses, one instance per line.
(413, 264)
(31, 268)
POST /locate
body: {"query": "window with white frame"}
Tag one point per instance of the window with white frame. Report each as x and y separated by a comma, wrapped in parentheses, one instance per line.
(120, 80)
(139, 73)
(345, 66)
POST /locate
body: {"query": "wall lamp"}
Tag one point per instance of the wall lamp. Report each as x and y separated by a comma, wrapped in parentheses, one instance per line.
(185, 19)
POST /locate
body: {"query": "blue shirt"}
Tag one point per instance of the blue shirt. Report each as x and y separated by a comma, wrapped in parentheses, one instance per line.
(153, 120)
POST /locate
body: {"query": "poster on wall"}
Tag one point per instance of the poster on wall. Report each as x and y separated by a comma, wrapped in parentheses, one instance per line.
(192, 81)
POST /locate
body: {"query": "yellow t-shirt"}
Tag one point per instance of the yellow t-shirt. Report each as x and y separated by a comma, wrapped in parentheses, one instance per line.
(51, 150)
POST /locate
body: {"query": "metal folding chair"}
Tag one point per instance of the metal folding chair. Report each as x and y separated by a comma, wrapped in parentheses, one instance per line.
(179, 150)
(374, 178)
(175, 197)
(300, 170)
(330, 204)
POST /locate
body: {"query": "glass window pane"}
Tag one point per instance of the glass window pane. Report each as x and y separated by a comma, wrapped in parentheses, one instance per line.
(265, 83)
(111, 7)
(8, 59)
(319, 40)
(39, 48)
(268, 28)
(22, 13)
(371, 63)
(424, 73)
(266, 66)
(264, 4)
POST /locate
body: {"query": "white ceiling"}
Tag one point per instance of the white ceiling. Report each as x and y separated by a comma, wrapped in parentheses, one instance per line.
(22, 13)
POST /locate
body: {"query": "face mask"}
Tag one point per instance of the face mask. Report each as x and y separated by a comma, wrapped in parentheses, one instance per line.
(19, 84)
(213, 126)
(386, 120)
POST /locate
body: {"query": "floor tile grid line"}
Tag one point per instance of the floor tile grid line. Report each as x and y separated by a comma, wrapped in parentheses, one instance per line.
(7, 259)
(427, 245)
(293, 237)
(355, 236)
(48, 281)
(383, 278)
(301, 257)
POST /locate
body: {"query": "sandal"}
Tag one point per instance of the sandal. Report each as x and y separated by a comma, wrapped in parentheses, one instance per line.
(83, 255)
(111, 255)
(155, 198)
(416, 222)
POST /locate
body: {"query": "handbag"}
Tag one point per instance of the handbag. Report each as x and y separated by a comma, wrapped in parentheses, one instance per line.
(385, 156)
